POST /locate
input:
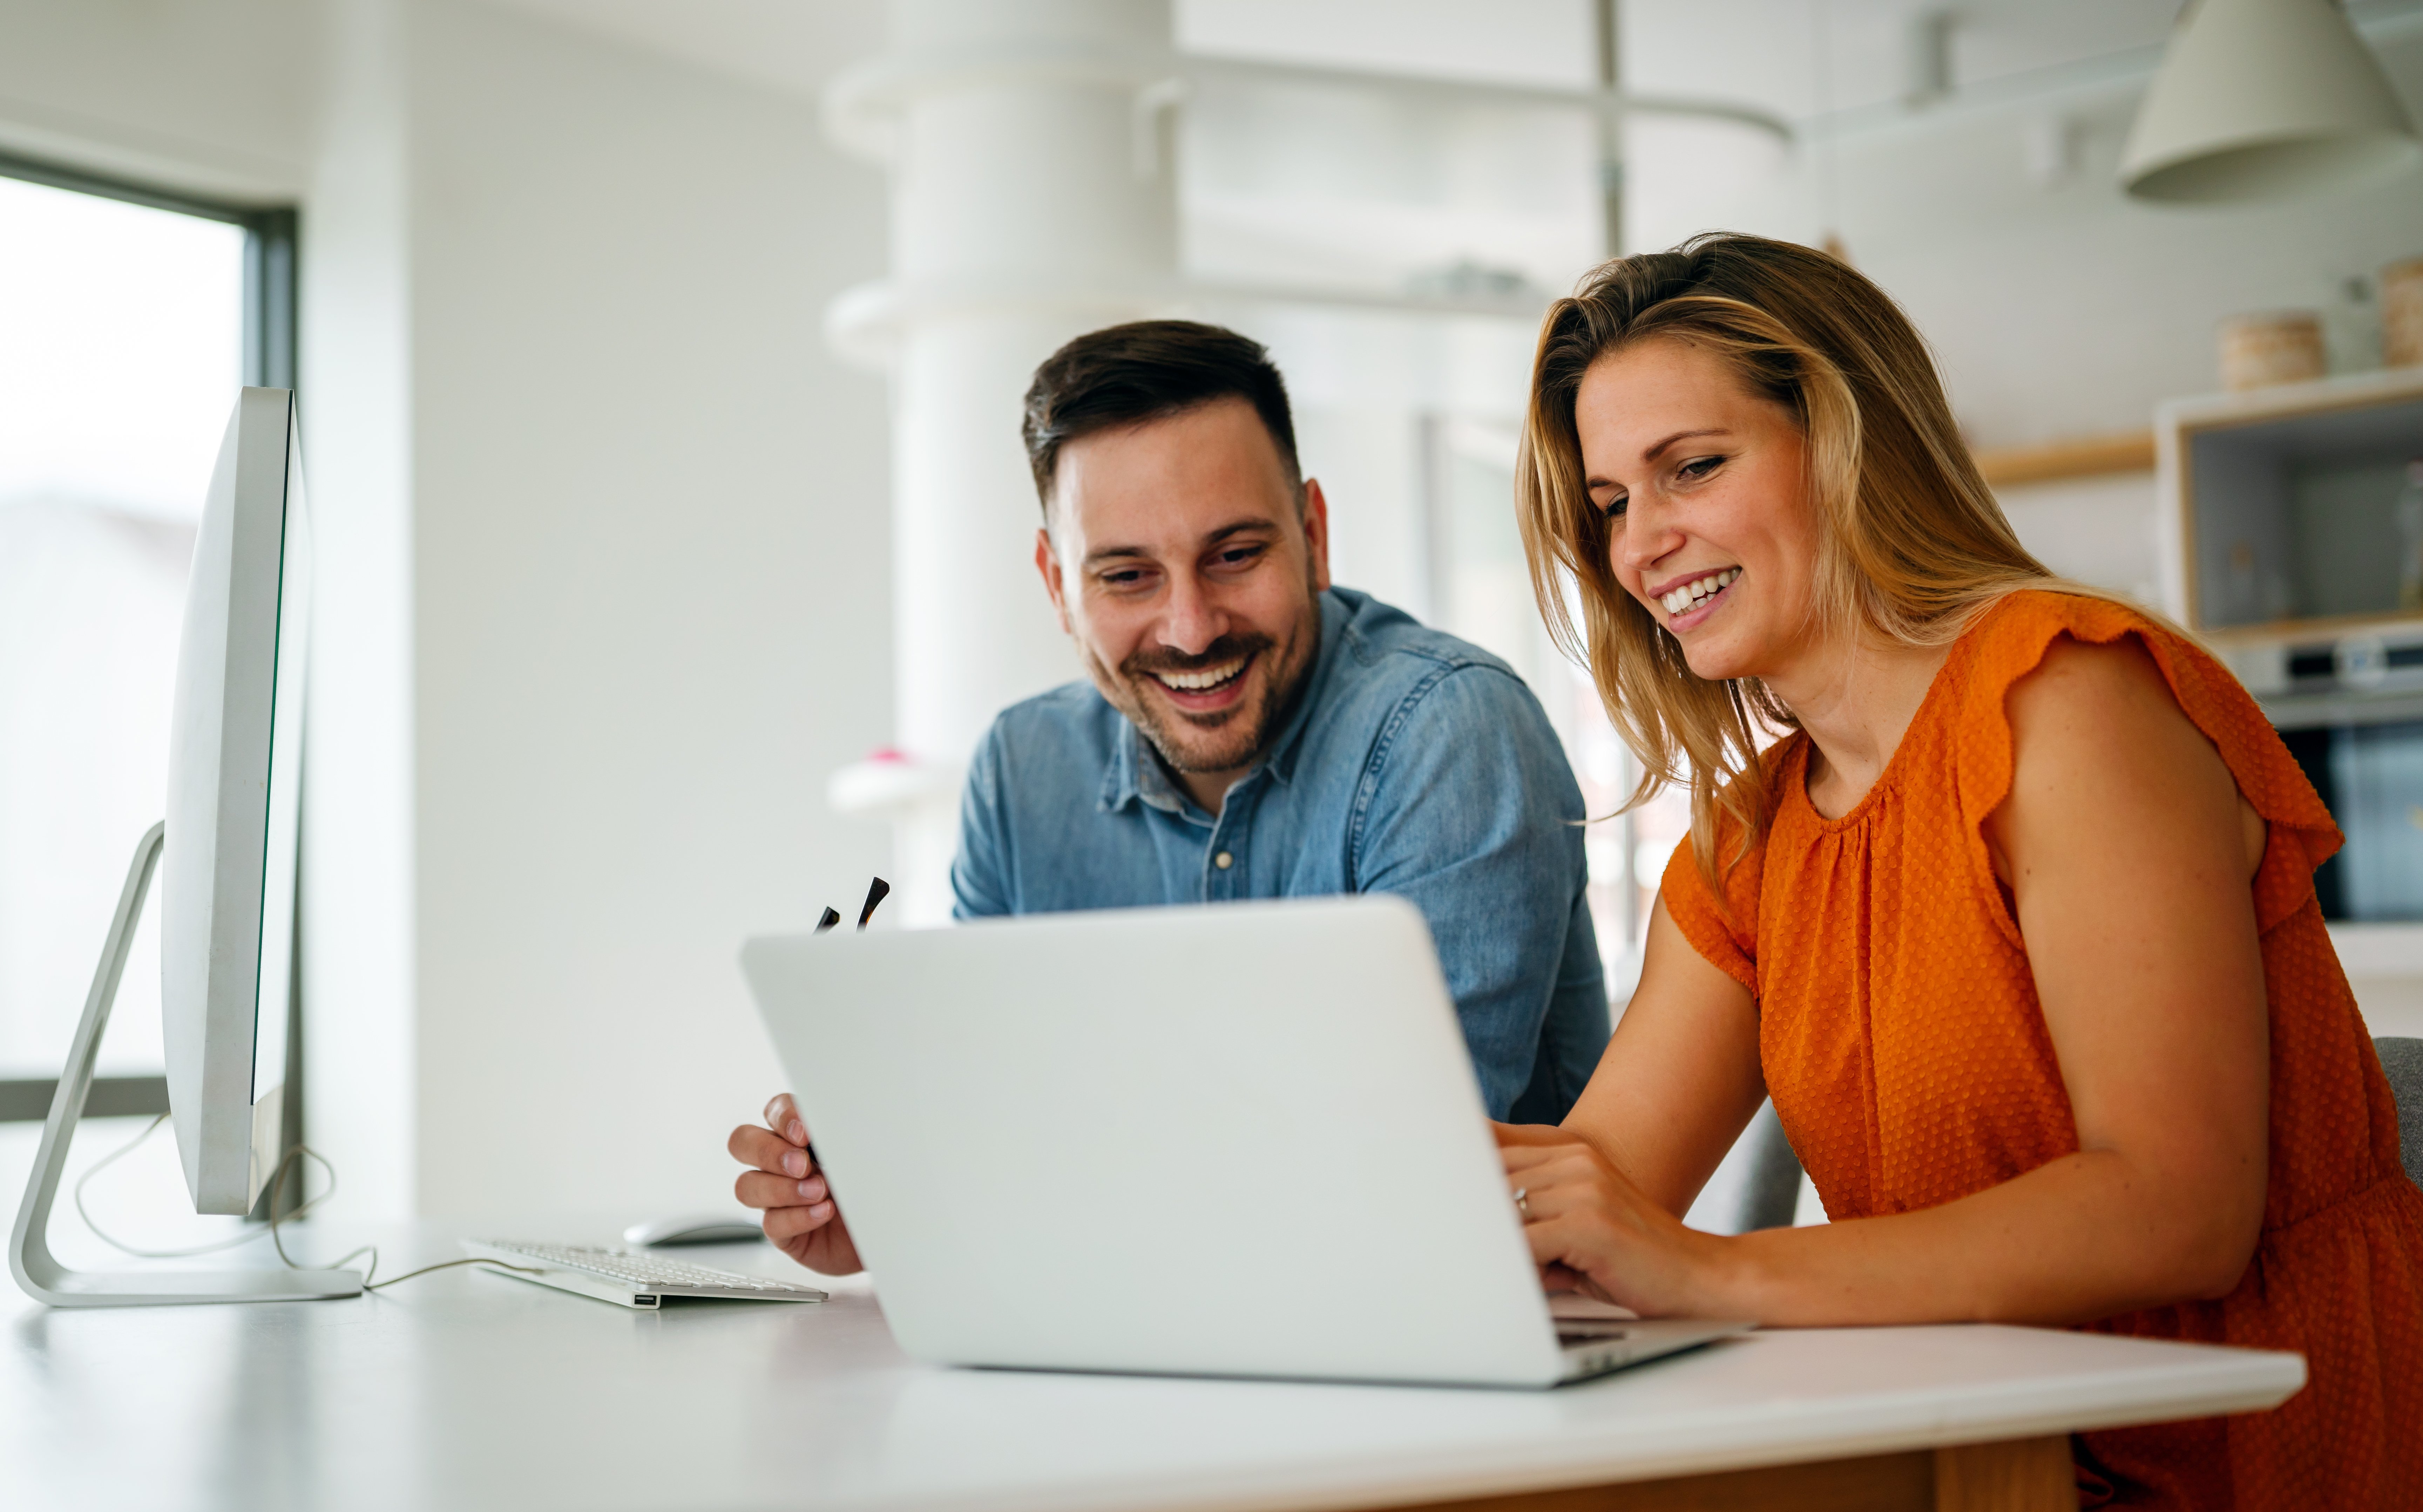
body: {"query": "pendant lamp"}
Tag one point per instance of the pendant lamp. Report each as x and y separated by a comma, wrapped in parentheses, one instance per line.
(2265, 99)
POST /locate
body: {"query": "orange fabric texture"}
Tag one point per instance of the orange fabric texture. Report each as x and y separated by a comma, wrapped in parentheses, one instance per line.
(1908, 1056)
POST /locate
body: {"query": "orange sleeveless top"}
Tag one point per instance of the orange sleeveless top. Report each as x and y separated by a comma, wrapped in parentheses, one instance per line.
(1906, 1054)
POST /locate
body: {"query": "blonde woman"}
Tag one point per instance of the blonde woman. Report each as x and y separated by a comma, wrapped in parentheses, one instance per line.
(2016, 922)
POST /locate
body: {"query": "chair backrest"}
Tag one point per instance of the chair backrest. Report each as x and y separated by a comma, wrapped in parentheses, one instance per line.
(1772, 1195)
(2403, 1060)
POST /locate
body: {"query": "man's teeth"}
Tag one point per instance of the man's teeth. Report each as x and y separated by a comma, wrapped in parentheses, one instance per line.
(1208, 677)
(1699, 591)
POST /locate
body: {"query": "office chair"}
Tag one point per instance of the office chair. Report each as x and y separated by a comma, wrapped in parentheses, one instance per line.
(1772, 1193)
(2403, 1060)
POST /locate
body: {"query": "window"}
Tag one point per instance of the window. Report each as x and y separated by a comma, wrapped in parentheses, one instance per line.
(128, 319)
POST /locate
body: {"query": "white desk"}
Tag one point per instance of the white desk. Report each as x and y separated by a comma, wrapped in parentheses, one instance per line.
(463, 1391)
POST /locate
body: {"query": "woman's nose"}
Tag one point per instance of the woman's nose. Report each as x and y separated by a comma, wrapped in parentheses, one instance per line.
(1649, 536)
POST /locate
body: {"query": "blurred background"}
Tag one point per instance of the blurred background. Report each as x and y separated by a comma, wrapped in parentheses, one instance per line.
(658, 368)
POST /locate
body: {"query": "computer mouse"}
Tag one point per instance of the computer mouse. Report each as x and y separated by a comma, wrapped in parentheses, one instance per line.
(694, 1228)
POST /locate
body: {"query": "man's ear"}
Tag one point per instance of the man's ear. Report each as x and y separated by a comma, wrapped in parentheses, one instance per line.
(1316, 533)
(1047, 561)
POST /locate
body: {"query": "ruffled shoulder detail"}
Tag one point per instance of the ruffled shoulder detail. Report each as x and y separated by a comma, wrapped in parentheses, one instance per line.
(2010, 641)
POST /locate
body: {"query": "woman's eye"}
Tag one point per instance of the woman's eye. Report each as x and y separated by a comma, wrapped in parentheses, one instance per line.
(1613, 509)
(1699, 467)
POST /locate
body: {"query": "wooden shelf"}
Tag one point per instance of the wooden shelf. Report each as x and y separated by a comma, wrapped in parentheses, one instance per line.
(2089, 457)
(2311, 627)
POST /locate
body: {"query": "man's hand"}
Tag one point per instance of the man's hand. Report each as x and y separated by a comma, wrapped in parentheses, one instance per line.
(782, 1181)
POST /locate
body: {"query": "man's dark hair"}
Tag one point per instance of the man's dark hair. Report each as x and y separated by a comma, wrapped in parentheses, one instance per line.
(1148, 370)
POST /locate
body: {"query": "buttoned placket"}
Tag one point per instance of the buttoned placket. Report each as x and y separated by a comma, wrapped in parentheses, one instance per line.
(1223, 856)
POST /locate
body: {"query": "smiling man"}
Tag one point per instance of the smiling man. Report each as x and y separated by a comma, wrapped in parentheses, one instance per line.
(1248, 731)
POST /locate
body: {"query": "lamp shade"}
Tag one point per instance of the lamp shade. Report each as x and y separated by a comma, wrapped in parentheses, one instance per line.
(2262, 100)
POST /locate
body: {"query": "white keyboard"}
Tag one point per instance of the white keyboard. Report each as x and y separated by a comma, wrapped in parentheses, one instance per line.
(633, 1278)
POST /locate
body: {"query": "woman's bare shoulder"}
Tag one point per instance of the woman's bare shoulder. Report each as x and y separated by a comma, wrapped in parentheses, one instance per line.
(2101, 746)
(2093, 681)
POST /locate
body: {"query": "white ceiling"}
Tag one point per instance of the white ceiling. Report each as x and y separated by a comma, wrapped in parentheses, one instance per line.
(1397, 192)
(1760, 51)
(794, 45)
(1757, 51)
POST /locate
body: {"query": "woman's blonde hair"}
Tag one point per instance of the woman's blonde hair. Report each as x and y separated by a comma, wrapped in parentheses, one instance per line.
(1913, 544)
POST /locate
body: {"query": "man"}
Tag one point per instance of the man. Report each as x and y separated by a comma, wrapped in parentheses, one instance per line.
(1248, 731)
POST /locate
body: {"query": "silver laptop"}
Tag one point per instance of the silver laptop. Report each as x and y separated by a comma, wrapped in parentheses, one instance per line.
(1235, 1141)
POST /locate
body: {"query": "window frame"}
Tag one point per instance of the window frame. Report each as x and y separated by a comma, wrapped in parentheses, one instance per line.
(271, 339)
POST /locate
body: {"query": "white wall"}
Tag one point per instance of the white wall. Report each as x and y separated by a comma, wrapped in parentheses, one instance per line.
(603, 554)
(355, 401)
(650, 547)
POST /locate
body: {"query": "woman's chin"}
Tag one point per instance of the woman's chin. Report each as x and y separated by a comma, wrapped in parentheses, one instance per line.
(1714, 661)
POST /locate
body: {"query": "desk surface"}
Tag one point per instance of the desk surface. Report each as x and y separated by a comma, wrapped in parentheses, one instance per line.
(464, 1390)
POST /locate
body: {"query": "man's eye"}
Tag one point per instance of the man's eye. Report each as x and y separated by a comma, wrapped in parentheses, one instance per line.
(1239, 555)
(1126, 579)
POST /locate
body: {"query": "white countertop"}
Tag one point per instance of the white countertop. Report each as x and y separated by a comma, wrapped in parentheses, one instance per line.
(465, 1389)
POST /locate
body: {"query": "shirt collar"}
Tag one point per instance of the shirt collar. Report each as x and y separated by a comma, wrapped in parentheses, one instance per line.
(1134, 773)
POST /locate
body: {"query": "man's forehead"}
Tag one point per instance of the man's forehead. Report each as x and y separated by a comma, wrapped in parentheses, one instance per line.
(1169, 484)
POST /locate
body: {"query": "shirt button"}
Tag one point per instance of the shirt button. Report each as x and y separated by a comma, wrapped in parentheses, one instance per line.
(1223, 860)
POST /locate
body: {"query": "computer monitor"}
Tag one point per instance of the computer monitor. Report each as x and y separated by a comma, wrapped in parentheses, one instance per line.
(227, 885)
(227, 880)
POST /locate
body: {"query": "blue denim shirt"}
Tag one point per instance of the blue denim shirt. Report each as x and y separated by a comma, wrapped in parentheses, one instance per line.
(1412, 764)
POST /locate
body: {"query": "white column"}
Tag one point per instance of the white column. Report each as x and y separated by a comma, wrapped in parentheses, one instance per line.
(1033, 197)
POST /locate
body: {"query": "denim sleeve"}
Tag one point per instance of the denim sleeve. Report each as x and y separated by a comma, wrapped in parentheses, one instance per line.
(979, 874)
(1469, 809)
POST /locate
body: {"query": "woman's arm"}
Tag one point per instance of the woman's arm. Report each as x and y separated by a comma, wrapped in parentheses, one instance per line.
(1678, 1081)
(2127, 851)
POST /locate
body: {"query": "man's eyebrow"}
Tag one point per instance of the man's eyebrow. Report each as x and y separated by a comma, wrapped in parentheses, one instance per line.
(1238, 528)
(1234, 527)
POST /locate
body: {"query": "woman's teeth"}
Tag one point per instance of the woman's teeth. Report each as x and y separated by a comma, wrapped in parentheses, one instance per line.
(1683, 598)
(1208, 677)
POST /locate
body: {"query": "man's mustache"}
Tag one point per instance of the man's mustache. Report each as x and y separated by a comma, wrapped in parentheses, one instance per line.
(1224, 650)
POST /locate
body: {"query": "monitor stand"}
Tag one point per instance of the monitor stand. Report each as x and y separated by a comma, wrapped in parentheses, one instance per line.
(29, 1253)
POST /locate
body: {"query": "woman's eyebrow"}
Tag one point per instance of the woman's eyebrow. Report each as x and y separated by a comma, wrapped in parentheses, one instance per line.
(1651, 455)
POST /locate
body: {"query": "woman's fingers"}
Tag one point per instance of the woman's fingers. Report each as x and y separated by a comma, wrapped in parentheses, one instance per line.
(1543, 1178)
(1523, 1158)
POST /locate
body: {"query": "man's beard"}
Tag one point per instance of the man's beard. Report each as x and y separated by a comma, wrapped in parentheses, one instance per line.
(1224, 742)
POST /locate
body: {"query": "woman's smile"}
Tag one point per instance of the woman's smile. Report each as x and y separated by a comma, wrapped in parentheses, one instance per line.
(1689, 600)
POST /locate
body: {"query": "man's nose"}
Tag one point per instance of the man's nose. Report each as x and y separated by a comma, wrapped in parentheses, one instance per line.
(1191, 621)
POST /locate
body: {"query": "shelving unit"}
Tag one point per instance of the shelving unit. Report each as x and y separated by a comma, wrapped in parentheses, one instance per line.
(2284, 550)
(2098, 456)
(2281, 513)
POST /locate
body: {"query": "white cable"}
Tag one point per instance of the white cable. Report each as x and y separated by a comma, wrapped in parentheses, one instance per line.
(277, 1180)
(119, 1245)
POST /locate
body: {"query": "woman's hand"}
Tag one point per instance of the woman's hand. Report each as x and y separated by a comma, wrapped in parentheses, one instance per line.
(801, 1218)
(1592, 1230)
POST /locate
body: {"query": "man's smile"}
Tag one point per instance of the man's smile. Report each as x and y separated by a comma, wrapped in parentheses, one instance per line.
(1208, 689)
(1207, 678)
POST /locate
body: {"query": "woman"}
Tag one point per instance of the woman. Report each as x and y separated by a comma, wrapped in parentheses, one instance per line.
(2016, 923)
